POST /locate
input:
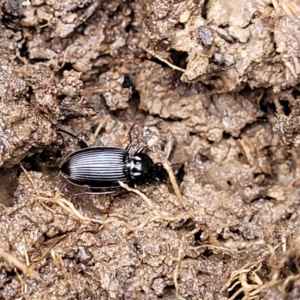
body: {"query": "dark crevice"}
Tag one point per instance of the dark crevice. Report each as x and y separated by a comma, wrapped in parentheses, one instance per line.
(270, 107)
(207, 253)
(235, 230)
(259, 197)
(169, 119)
(24, 50)
(242, 159)
(130, 27)
(220, 238)
(179, 26)
(285, 105)
(29, 93)
(236, 288)
(66, 67)
(37, 60)
(180, 174)
(127, 82)
(226, 135)
(295, 93)
(197, 236)
(39, 161)
(170, 291)
(267, 107)
(31, 163)
(47, 240)
(203, 157)
(179, 58)
(204, 10)
(223, 26)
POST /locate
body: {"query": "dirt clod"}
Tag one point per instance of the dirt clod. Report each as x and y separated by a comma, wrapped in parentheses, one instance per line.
(210, 89)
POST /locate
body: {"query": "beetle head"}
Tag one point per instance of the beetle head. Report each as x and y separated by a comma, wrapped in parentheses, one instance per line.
(160, 172)
(142, 170)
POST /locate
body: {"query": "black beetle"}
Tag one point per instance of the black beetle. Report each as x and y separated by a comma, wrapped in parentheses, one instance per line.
(101, 168)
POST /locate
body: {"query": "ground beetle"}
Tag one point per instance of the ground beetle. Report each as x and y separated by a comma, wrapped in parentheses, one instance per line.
(101, 168)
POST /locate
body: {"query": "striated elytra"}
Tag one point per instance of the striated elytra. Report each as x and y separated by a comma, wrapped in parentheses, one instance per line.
(101, 168)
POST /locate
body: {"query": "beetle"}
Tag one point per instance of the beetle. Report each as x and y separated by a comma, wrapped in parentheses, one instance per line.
(101, 168)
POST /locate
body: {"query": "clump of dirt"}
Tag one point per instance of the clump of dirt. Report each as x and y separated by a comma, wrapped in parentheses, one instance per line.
(211, 88)
(228, 45)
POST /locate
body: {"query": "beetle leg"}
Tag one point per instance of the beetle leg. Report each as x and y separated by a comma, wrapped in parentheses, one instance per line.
(140, 150)
(128, 147)
(82, 144)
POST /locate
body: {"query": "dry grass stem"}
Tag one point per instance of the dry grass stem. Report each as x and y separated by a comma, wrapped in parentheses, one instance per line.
(143, 196)
(174, 184)
(68, 206)
(17, 263)
(98, 129)
(163, 60)
(246, 277)
(176, 272)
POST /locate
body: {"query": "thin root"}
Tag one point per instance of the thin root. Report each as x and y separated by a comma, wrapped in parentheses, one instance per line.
(57, 260)
(176, 272)
(163, 60)
(212, 247)
(68, 206)
(17, 263)
(174, 184)
(23, 284)
(143, 196)
(247, 278)
(98, 129)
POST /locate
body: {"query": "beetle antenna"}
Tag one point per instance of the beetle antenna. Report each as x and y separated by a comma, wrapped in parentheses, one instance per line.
(82, 144)
(180, 163)
(129, 132)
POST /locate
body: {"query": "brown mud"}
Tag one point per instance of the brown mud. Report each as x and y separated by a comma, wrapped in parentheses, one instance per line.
(210, 86)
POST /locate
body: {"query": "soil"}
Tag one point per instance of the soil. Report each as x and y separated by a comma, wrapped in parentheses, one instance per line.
(209, 87)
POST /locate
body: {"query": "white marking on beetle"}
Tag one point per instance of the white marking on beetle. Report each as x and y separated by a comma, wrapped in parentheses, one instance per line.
(136, 173)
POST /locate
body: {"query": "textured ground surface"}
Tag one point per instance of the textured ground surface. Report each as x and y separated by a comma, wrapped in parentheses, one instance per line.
(212, 86)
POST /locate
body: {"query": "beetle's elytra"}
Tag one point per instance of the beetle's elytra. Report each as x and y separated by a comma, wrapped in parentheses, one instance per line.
(101, 168)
